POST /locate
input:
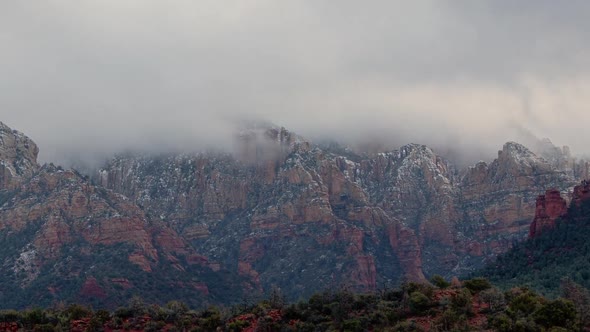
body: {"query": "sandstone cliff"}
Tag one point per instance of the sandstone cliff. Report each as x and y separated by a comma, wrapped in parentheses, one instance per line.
(18, 157)
(66, 239)
(549, 208)
(552, 206)
(279, 211)
(392, 216)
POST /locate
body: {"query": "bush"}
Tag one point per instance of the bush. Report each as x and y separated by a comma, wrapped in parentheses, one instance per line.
(461, 302)
(410, 326)
(448, 320)
(238, 325)
(352, 325)
(523, 305)
(34, 317)
(419, 302)
(494, 298)
(501, 323)
(9, 316)
(439, 281)
(477, 285)
(44, 328)
(77, 311)
(556, 313)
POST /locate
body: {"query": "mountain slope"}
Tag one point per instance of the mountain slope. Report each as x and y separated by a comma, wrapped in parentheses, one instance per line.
(278, 212)
(558, 246)
(66, 239)
(377, 220)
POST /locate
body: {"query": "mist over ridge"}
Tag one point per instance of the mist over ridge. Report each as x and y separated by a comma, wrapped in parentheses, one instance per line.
(87, 80)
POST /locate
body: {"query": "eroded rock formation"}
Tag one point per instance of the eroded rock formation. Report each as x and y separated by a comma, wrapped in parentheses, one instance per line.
(280, 211)
(549, 208)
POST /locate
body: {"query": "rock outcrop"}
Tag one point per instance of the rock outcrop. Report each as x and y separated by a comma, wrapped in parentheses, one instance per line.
(18, 157)
(562, 159)
(552, 206)
(549, 208)
(501, 197)
(581, 193)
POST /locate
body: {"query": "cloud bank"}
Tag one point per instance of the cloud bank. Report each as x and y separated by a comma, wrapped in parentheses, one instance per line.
(88, 78)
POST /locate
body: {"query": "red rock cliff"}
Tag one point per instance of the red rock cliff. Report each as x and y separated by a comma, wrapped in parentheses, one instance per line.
(549, 208)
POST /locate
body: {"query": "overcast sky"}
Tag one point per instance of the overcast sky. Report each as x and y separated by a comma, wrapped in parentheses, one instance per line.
(104, 75)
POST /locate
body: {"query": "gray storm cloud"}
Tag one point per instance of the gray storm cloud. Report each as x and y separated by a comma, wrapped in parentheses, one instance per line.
(89, 78)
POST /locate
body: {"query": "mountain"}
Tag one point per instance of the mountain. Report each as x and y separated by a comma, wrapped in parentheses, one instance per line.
(322, 216)
(557, 245)
(278, 212)
(66, 239)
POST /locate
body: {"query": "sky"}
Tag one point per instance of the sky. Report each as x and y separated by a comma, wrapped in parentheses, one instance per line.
(85, 79)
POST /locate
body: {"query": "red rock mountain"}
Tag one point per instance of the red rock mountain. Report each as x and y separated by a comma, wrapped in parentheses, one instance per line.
(280, 211)
(322, 216)
(552, 206)
(64, 238)
(549, 208)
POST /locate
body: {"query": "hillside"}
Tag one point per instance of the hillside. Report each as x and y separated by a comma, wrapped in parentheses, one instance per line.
(354, 219)
(62, 238)
(474, 305)
(557, 247)
(280, 211)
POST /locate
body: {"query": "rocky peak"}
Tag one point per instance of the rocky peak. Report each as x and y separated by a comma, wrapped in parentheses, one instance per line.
(415, 151)
(561, 158)
(263, 142)
(549, 208)
(553, 206)
(281, 211)
(18, 157)
(581, 193)
(516, 167)
(519, 155)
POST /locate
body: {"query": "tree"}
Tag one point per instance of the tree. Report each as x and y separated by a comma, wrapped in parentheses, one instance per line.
(419, 302)
(461, 302)
(580, 297)
(439, 281)
(276, 299)
(560, 313)
(494, 298)
(477, 285)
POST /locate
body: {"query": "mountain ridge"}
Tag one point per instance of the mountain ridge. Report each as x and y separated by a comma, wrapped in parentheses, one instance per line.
(284, 212)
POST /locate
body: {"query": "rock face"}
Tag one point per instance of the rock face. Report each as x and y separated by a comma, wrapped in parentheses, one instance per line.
(66, 239)
(581, 193)
(280, 211)
(18, 157)
(561, 158)
(499, 199)
(549, 208)
(359, 220)
(552, 206)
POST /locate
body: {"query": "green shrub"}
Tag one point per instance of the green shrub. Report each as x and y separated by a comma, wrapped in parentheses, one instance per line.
(77, 311)
(500, 323)
(238, 325)
(439, 281)
(477, 285)
(462, 302)
(556, 313)
(419, 302)
(408, 326)
(494, 298)
(9, 316)
(352, 325)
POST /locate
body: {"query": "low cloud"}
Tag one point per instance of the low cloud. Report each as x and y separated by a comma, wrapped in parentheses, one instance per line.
(88, 79)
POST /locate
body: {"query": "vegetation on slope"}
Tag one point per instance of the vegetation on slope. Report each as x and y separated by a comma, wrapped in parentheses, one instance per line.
(542, 262)
(474, 305)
